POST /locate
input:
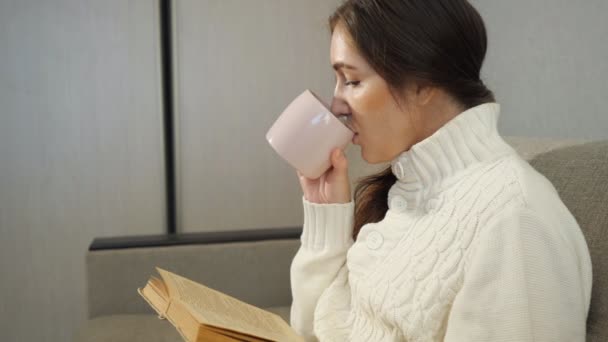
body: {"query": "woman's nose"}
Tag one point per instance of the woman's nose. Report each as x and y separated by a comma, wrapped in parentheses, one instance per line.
(339, 106)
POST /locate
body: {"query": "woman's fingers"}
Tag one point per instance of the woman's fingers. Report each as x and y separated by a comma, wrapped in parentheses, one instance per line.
(333, 185)
(340, 165)
(305, 181)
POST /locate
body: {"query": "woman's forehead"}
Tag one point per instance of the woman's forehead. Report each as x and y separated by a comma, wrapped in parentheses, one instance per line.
(343, 53)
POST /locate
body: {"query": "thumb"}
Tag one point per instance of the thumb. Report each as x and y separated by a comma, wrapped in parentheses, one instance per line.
(339, 161)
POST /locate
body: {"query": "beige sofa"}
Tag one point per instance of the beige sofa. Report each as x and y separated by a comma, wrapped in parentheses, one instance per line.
(253, 265)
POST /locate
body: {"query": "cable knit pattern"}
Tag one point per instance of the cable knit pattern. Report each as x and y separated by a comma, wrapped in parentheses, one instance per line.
(426, 272)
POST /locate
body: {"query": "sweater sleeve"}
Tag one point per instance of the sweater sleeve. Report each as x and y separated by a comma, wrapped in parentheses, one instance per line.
(326, 237)
(527, 280)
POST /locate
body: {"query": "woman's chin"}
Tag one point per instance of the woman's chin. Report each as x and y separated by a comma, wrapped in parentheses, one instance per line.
(371, 158)
(365, 156)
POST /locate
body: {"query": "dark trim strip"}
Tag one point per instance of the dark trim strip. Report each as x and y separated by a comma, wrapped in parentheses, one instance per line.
(161, 240)
(168, 117)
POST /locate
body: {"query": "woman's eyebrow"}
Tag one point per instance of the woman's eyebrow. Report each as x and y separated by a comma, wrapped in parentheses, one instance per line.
(340, 65)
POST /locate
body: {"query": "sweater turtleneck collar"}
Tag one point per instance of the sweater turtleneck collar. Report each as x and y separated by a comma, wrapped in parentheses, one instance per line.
(469, 138)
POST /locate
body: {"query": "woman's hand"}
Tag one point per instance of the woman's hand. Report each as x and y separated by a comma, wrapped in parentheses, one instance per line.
(333, 186)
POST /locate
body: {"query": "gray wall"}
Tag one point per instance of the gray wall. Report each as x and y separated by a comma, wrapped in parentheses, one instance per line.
(239, 63)
(548, 65)
(80, 150)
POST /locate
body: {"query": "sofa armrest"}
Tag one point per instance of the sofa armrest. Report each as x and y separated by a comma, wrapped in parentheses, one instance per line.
(251, 265)
(530, 147)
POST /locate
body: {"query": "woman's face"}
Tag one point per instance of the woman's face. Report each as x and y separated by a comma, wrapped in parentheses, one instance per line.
(383, 128)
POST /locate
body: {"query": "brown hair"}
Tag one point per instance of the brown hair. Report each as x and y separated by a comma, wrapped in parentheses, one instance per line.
(440, 42)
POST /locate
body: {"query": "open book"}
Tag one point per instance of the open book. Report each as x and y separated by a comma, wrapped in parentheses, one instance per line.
(203, 314)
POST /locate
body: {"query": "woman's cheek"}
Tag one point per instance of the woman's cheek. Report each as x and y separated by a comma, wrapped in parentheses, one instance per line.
(373, 97)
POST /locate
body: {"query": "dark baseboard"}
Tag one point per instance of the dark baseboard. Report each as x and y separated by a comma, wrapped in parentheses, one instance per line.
(160, 240)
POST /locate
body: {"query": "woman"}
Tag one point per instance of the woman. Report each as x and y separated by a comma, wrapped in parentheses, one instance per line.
(459, 239)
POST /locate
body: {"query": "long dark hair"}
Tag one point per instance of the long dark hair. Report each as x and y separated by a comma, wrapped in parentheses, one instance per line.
(440, 43)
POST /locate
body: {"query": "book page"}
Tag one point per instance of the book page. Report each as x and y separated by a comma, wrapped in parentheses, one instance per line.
(214, 308)
(234, 335)
(159, 286)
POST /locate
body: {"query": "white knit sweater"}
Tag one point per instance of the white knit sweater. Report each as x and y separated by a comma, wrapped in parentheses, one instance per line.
(475, 246)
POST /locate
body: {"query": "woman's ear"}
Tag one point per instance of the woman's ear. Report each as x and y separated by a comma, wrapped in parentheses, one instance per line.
(419, 93)
(424, 93)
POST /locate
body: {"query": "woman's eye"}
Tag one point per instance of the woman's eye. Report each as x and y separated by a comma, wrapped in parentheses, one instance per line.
(349, 83)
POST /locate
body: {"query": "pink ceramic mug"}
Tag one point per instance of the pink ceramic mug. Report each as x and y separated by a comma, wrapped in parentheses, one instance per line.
(306, 133)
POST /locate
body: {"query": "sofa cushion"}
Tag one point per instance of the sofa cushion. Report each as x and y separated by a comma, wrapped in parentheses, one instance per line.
(139, 327)
(128, 328)
(580, 175)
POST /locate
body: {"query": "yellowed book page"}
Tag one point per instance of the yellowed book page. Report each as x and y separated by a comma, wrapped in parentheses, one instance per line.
(159, 286)
(214, 308)
(155, 293)
(154, 298)
(183, 321)
(236, 335)
(213, 336)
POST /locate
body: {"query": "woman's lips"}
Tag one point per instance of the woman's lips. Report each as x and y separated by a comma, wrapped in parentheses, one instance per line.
(346, 119)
